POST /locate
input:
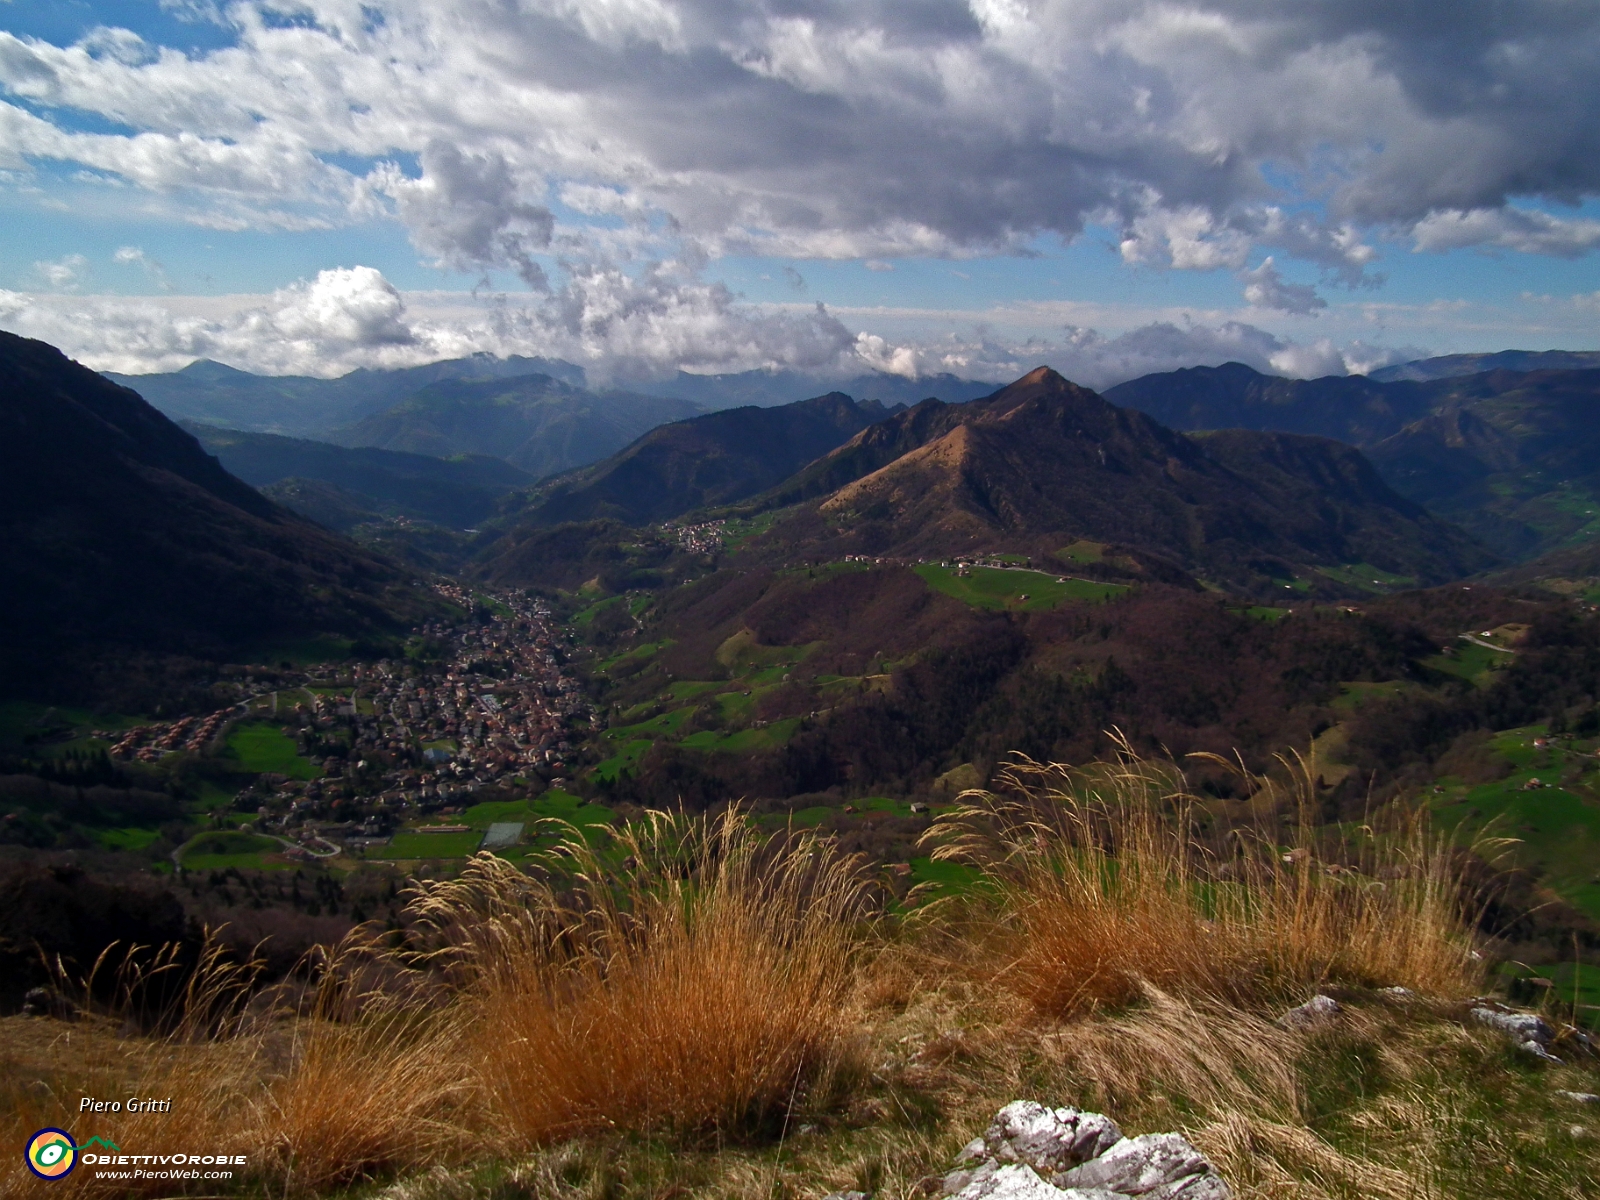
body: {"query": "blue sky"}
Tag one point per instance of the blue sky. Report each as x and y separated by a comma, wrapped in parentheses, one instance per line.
(644, 185)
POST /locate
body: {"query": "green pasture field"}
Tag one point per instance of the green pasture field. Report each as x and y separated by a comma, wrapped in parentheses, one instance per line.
(944, 878)
(410, 844)
(1470, 661)
(625, 759)
(554, 804)
(586, 617)
(996, 588)
(66, 728)
(665, 725)
(130, 838)
(644, 650)
(744, 741)
(1082, 551)
(1353, 695)
(260, 747)
(220, 849)
(1262, 612)
(1557, 828)
(1368, 577)
(301, 652)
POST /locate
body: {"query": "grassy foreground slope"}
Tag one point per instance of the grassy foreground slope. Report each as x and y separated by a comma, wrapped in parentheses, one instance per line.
(699, 1008)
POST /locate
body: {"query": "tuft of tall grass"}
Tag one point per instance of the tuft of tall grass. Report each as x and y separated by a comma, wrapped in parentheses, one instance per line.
(1103, 889)
(689, 975)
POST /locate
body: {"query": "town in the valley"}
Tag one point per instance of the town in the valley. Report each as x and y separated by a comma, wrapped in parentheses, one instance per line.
(494, 701)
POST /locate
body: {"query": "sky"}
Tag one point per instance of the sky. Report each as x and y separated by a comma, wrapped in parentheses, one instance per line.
(642, 186)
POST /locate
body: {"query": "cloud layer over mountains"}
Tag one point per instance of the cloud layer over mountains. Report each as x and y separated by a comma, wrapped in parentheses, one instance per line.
(619, 329)
(566, 140)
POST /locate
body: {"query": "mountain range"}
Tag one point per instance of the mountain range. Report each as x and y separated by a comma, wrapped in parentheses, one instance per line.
(342, 487)
(1043, 463)
(716, 459)
(302, 406)
(537, 423)
(1507, 454)
(123, 536)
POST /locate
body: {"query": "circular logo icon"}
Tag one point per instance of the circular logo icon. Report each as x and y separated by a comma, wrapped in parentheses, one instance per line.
(52, 1154)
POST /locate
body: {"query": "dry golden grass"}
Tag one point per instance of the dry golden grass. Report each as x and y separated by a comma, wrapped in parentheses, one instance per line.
(1101, 888)
(696, 1009)
(700, 986)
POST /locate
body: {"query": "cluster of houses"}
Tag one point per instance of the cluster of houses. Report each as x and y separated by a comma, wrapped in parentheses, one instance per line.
(146, 743)
(705, 538)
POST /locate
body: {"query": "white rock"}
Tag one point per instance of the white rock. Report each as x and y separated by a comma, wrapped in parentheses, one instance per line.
(1030, 1152)
(1017, 1181)
(1534, 1048)
(1313, 1012)
(1138, 1166)
(1524, 1027)
(1580, 1097)
(1047, 1139)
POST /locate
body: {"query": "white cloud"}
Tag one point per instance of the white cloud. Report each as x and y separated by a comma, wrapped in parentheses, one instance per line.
(63, 274)
(676, 128)
(1523, 230)
(618, 326)
(1265, 288)
(1094, 360)
(1189, 239)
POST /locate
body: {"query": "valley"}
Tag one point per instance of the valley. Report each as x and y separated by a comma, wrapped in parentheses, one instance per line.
(833, 619)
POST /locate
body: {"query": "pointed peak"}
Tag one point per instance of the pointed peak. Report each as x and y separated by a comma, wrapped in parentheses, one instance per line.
(1040, 375)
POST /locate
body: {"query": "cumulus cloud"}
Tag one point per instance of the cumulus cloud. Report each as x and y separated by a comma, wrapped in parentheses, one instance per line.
(620, 327)
(1088, 357)
(873, 131)
(468, 212)
(63, 274)
(1523, 230)
(134, 256)
(1264, 287)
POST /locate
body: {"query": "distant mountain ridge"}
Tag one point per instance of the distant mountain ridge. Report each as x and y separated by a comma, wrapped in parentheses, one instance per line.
(1498, 452)
(766, 389)
(122, 533)
(1043, 462)
(1450, 366)
(715, 459)
(1512, 456)
(1351, 408)
(535, 422)
(454, 492)
(303, 406)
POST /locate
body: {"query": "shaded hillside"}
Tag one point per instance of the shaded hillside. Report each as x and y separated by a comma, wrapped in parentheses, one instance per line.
(539, 424)
(1044, 462)
(302, 406)
(1513, 457)
(716, 459)
(121, 533)
(1351, 408)
(1449, 366)
(458, 492)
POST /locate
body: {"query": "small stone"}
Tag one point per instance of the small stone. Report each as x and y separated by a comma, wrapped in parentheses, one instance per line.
(1534, 1048)
(845, 1196)
(1315, 1011)
(1521, 1027)
(1580, 1097)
